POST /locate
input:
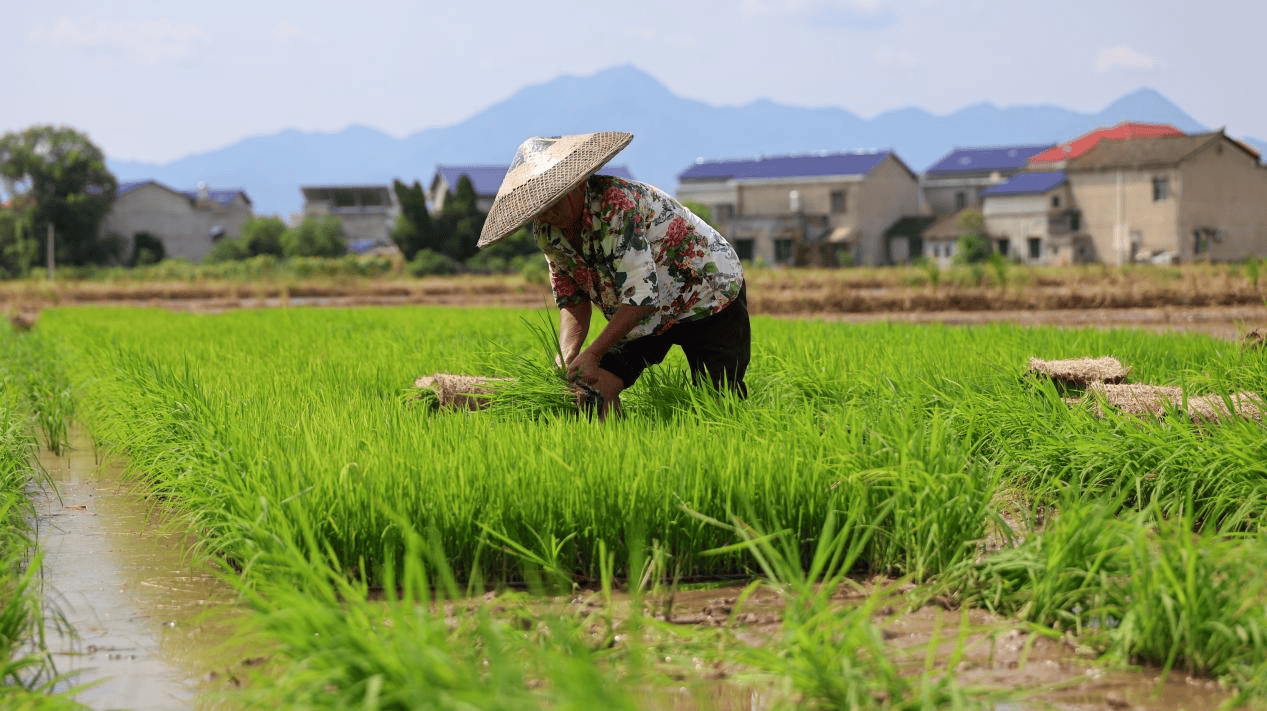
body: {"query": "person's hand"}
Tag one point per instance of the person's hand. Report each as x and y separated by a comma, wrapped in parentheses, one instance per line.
(584, 367)
(609, 385)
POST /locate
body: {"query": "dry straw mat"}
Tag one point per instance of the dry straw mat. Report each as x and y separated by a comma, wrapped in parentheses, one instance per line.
(1157, 400)
(1081, 371)
(459, 391)
(544, 170)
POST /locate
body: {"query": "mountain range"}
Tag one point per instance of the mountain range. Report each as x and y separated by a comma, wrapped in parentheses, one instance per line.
(671, 132)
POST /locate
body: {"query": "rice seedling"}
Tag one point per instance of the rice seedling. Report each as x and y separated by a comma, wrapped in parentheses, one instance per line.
(291, 441)
(28, 679)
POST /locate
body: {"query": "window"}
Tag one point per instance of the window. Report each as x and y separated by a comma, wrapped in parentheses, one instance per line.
(1004, 244)
(783, 251)
(961, 200)
(1035, 248)
(1075, 221)
(724, 211)
(744, 248)
(1055, 201)
(1161, 188)
(838, 201)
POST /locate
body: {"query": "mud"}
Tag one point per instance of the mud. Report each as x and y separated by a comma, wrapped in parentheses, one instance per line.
(990, 653)
(126, 603)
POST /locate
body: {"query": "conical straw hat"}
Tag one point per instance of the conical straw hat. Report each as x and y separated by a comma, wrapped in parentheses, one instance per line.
(544, 170)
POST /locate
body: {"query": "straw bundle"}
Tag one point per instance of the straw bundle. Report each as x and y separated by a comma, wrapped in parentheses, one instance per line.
(1081, 371)
(23, 321)
(1140, 399)
(1256, 338)
(468, 392)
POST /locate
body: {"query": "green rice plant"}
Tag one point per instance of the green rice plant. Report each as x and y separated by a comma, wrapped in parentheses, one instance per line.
(418, 645)
(28, 679)
(827, 657)
(1142, 589)
(1198, 604)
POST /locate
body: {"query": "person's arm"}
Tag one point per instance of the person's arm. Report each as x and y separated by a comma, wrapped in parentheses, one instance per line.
(584, 366)
(574, 326)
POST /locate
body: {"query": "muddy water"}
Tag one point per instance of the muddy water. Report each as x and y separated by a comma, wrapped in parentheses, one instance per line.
(126, 599)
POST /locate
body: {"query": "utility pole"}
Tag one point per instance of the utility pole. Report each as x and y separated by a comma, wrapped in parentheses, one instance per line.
(50, 251)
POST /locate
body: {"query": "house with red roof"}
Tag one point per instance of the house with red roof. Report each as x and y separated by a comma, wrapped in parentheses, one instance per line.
(1171, 199)
(817, 209)
(1055, 157)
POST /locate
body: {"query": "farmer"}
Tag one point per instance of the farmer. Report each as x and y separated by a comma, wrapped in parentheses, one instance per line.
(660, 274)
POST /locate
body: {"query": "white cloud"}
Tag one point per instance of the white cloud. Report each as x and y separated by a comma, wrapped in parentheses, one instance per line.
(150, 41)
(1125, 57)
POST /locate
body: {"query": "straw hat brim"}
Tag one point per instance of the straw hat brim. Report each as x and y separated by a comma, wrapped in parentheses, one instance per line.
(543, 171)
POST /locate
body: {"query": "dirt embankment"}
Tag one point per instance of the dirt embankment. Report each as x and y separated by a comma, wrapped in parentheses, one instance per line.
(1171, 298)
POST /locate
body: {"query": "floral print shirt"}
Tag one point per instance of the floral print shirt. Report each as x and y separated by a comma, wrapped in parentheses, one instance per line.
(640, 247)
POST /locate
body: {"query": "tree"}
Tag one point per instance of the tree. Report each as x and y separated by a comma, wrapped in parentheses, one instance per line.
(263, 235)
(146, 249)
(64, 180)
(413, 230)
(458, 228)
(701, 211)
(973, 246)
(315, 237)
(18, 245)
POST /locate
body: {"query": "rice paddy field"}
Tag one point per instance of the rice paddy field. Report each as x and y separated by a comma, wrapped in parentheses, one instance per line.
(392, 554)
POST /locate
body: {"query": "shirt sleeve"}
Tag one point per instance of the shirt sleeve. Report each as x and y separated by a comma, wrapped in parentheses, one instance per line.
(563, 285)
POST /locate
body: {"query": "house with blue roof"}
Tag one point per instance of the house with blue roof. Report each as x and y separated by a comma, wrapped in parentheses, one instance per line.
(1031, 217)
(186, 222)
(485, 179)
(817, 209)
(955, 181)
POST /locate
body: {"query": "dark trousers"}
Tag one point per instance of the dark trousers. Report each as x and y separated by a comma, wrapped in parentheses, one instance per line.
(718, 346)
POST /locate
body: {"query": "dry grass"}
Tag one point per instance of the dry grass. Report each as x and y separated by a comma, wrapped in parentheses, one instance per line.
(771, 291)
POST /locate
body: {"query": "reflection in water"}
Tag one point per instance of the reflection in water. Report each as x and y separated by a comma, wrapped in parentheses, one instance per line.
(133, 597)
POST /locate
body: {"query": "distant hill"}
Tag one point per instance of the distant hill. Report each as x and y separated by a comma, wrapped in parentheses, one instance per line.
(671, 133)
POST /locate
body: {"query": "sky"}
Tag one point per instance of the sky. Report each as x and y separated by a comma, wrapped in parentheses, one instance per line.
(156, 81)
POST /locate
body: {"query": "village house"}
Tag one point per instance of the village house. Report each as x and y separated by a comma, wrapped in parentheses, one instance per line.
(1056, 157)
(368, 212)
(187, 223)
(1171, 199)
(905, 238)
(955, 181)
(829, 208)
(940, 238)
(1031, 219)
(485, 180)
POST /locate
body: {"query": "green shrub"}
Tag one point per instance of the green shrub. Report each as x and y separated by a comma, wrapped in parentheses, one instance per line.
(428, 262)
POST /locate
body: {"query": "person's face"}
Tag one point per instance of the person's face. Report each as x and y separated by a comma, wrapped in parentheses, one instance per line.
(565, 211)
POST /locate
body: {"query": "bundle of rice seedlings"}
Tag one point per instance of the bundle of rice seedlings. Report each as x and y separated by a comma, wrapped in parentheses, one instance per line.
(469, 392)
(1080, 372)
(1140, 399)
